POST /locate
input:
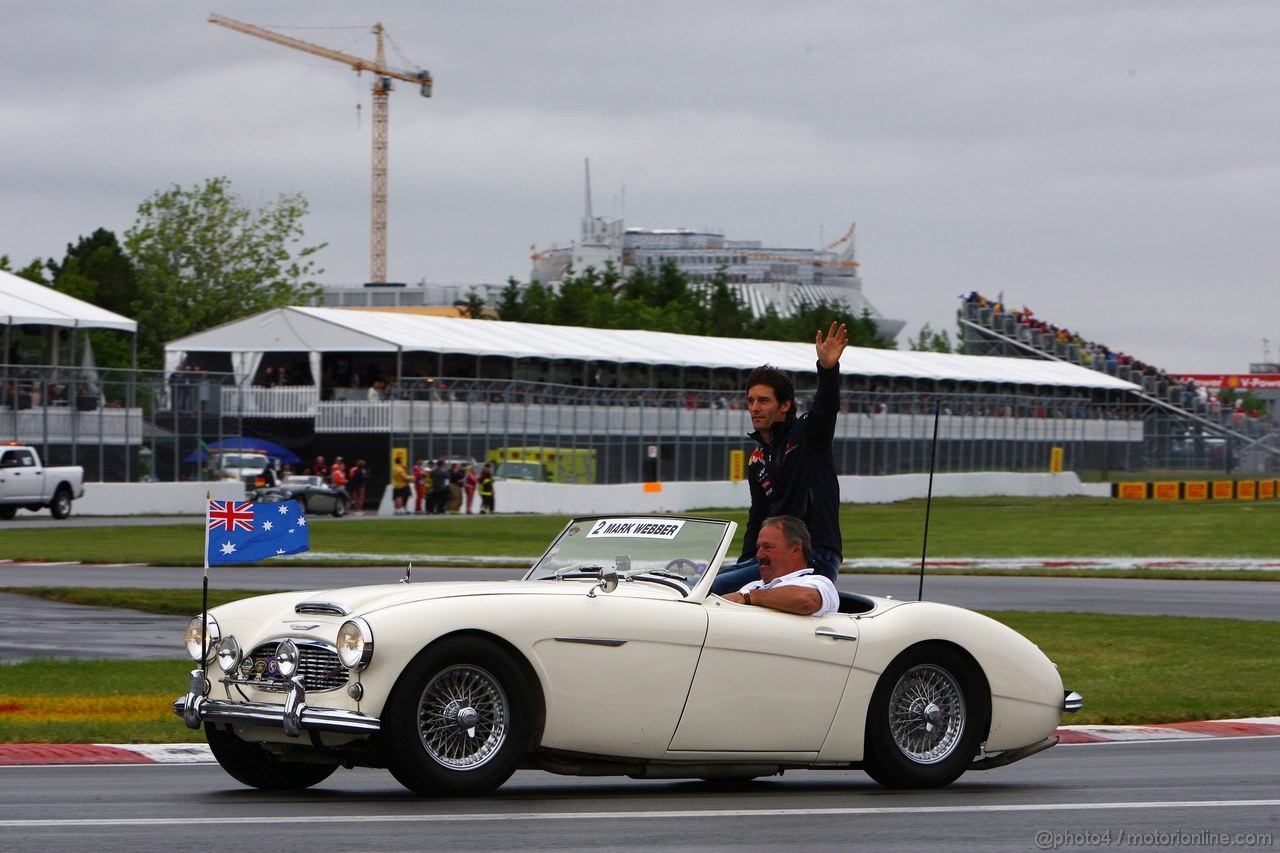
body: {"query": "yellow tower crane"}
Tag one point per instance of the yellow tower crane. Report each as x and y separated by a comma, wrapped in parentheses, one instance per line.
(383, 75)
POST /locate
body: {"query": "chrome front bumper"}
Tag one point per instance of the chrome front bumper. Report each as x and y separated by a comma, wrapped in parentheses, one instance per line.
(294, 716)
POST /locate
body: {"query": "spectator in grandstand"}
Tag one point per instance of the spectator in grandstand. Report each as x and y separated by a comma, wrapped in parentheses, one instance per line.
(792, 471)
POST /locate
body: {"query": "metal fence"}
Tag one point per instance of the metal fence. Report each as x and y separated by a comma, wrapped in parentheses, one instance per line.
(140, 425)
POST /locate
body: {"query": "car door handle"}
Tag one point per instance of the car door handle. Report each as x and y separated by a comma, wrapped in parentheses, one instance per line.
(832, 634)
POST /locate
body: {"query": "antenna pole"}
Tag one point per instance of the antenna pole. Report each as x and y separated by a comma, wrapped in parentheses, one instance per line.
(928, 501)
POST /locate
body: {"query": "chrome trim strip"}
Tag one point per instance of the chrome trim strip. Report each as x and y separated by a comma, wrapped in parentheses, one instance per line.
(592, 641)
(262, 714)
(323, 608)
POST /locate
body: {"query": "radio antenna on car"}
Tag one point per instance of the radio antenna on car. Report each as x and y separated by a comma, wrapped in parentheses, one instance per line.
(928, 500)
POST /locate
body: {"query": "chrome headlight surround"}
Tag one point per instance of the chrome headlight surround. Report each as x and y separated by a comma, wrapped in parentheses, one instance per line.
(287, 657)
(355, 644)
(212, 635)
(228, 654)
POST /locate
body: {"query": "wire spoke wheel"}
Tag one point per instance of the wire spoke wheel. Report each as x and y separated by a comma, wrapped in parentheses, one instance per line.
(926, 714)
(463, 717)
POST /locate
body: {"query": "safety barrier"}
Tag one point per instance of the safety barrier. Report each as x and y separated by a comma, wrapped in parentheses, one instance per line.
(1198, 490)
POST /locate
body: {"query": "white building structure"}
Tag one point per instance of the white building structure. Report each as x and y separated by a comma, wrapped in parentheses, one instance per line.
(764, 277)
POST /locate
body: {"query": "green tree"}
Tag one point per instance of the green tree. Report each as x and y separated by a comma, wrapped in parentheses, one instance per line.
(96, 270)
(33, 271)
(931, 341)
(663, 299)
(202, 257)
(473, 306)
(510, 303)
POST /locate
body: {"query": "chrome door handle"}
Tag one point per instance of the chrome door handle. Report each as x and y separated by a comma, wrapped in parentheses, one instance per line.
(833, 634)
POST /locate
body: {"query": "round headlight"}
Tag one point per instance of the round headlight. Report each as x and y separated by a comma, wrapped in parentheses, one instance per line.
(355, 644)
(228, 654)
(211, 637)
(287, 658)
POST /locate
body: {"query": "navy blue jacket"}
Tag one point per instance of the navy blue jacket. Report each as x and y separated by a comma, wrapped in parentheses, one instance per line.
(795, 472)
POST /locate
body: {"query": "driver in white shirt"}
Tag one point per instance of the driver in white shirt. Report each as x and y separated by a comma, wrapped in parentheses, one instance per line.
(787, 583)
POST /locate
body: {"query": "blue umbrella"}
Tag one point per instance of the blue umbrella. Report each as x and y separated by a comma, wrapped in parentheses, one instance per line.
(252, 445)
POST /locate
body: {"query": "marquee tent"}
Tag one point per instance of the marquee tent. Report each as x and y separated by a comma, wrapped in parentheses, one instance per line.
(330, 330)
(25, 303)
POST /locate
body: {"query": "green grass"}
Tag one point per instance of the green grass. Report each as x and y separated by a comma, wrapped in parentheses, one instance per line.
(88, 696)
(1159, 669)
(1130, 669)
(959, 527)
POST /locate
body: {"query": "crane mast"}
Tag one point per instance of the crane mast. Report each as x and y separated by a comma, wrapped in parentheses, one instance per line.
(383, 75)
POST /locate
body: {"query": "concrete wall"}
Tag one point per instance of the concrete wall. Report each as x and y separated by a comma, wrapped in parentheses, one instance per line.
(147, 498)
(516, 496)
(513, 496)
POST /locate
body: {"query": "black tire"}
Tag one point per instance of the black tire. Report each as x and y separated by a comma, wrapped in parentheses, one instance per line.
(339, 508)
(7, 512)
(60, 506)
(430, 748)
(254, 766)
(926, 720)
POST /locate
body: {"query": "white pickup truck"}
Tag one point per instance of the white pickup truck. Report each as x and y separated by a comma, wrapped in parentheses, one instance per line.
(24, 482)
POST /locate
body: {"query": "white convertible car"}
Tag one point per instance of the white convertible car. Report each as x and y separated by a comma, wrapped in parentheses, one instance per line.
(610, 657)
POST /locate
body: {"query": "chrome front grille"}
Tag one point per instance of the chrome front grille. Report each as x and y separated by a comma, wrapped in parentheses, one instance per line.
(318, 665)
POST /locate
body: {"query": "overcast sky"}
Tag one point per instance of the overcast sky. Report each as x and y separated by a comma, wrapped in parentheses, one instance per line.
(1114, 165)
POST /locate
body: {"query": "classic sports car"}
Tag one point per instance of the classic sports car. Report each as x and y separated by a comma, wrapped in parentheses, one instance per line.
(312, 493)
(611, 656)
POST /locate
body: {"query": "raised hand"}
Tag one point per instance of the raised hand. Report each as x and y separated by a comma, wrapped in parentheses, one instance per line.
(830, 348)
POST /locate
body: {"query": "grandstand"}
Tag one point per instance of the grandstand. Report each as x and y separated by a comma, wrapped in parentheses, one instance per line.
(1185, 424)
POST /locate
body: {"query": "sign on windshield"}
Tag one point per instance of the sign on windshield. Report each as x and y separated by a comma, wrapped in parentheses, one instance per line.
(679, 549)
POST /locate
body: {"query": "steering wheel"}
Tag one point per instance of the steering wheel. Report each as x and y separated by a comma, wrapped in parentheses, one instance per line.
(679, 562)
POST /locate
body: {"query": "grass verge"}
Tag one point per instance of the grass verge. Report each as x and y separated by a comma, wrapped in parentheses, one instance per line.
(1130, 669)
(961, 527)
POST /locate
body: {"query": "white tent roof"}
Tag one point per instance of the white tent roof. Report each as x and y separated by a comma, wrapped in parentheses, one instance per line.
(349, 330)
(24, 302)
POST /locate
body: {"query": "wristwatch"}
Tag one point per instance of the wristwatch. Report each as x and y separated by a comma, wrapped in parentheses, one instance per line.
(746, 597)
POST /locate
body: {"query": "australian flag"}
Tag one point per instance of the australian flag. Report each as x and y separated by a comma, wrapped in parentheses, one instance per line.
(245, 532)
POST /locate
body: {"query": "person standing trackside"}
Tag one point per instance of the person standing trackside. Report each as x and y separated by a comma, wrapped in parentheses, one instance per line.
(357, 479)
(420, 472)
(485, 488)
(400, 487)
(469, 483)
(792, 470)
(439, 494)
(338, 474)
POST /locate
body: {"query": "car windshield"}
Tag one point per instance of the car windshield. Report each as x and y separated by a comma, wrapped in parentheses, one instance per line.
(233, 461)
(519, 471)
(639, 548)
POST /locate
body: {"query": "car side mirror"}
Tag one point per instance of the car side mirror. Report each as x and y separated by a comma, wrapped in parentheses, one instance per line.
(609, 577)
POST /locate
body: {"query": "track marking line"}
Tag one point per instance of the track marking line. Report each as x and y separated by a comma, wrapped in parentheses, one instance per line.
(276, 820)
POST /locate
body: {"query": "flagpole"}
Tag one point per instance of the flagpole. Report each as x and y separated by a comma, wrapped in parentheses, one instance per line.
(204, 595)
